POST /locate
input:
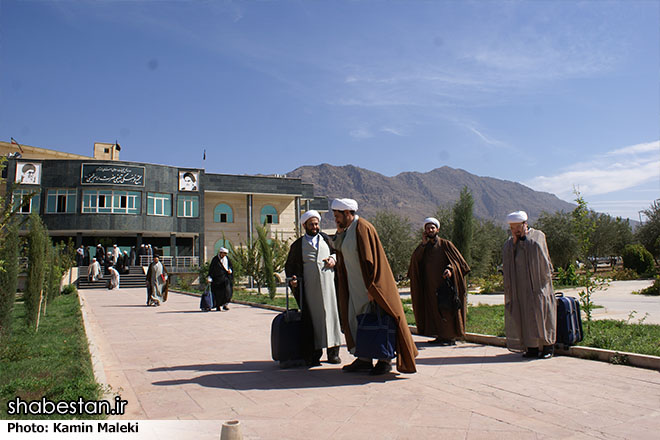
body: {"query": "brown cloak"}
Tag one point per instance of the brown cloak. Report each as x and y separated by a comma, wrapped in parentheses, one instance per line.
(427, 264)
(381, 288)
(530, 312)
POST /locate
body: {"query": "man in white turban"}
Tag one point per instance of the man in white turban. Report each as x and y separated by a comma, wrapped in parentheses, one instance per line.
(363, 276)
(221, 273)
(435, 265)
(530, 304)
(311, 263)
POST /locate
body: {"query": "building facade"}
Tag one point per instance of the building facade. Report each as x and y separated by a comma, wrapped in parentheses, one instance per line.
(182, 212)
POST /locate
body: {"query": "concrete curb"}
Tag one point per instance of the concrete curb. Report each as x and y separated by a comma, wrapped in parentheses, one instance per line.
(614, 357)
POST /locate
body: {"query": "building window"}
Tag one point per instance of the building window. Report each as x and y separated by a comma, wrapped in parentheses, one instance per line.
(159, 204)
(26, 201)
(223, 214)
(221, 243)
(61, 201)
(269, 215)
(111, 202)
(187, 206)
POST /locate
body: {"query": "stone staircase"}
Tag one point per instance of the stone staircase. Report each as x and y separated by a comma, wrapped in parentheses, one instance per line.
(134, 278)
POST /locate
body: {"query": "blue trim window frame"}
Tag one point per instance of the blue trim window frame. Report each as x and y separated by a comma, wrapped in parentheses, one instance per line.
(221, 243)
(111, 202)
(269, 215)
(32, 206)
(61, 201)
(223, 214)
(159, 204)
(187, 206)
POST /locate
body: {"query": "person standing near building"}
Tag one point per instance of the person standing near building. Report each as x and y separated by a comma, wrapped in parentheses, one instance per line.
(311, 263)
(221, 274)
(435, 262)
(80, 255)
(94, 270)
(113, 283)
(530, 304)
(364, 275)
(156, 283)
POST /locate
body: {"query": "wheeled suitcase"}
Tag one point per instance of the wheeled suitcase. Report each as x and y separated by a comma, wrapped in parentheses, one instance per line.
(569, 321)
(286, 334)
(206, 302)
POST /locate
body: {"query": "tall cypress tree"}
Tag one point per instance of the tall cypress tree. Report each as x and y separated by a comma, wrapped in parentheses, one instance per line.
(9, 276)
(463, 223)
(36, 268)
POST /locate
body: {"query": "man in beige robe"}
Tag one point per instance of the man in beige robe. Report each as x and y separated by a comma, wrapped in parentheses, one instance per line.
(156, 283)
(311, 263)
(530, 304)
(364, 275)
(433, 262)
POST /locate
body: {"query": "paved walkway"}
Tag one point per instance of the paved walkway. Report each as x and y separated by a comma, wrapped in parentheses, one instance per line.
(617, 301)
(174, 362)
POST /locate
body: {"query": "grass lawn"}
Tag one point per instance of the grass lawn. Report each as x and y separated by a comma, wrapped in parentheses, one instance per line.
(53, 363)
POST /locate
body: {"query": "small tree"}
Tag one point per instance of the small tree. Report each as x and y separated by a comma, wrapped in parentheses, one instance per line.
(637, 258)
(560, 237)
(266, 250)
(648, 234)
(463, 223)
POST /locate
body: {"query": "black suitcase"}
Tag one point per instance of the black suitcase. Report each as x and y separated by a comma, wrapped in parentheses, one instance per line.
(286, 334)
(569, 321)
(206, 302)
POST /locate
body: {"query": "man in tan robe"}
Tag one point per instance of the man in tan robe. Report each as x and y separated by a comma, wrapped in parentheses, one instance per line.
(530, 304)
(433, 262)
(364, 275)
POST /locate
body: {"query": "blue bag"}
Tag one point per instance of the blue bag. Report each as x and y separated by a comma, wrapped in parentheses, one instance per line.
(206, 302)
(376, 334)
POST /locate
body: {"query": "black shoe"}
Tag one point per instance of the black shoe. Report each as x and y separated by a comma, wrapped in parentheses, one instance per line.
(442, 342)
(333, 355)
(358, 365)
(312, 362)
(531, 353)
(381, 367)
(225, 307)
(548, 351)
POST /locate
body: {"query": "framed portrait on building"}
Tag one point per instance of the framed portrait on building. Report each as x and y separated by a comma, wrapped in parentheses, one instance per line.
(188, 180)
(28, 173)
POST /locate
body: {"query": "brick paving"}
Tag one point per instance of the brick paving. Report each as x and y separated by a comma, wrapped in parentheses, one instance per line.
(175, 362)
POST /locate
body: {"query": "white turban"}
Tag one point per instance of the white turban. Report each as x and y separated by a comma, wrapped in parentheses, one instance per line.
(433, 220)
(344, 205)
(223, 249)
(309, 214)
(516, 217)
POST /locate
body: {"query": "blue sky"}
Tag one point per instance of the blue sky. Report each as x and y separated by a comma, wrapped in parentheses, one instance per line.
(552, 94)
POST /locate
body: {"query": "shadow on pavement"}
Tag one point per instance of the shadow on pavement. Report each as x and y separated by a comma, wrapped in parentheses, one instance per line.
(266, 375)
(460, 360)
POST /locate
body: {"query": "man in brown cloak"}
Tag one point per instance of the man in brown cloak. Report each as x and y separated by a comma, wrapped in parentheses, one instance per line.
(364, 275)
(530, 304)
(434, 261)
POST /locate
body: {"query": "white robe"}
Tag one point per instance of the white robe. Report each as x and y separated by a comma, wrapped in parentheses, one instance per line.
(94, 270)
(320, 298)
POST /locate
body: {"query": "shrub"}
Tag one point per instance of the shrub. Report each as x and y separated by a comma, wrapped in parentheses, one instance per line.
(624, 275)
(653, 289)
(637, 258)
(491, 283)
(567, 277)
(69, 289)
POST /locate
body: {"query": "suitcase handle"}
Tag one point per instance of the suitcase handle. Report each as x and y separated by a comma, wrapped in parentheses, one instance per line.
(287, 280)
(559, 294)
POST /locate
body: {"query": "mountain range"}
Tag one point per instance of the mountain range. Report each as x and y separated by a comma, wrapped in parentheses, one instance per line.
(418, 195)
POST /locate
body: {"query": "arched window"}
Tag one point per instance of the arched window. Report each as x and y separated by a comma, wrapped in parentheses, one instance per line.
(269, 215)
(223, 214)
(221, 243)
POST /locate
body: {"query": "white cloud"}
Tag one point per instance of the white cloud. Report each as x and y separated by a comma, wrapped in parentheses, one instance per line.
(361, 133)
(616, 170)
(391, 130)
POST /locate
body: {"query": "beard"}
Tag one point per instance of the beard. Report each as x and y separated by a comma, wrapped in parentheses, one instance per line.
(311, 232)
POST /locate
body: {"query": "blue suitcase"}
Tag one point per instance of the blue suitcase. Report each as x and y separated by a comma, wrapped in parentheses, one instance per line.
(206, 302)
(286, 335)
(569, 321)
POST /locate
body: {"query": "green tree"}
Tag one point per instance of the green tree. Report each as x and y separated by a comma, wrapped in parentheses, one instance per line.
(9, 252)
(37, 242)
(637, 258)
(445, 216)
(463, 223)
(560, 237)
(648, 234)
(486, 249)
(395, 233)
